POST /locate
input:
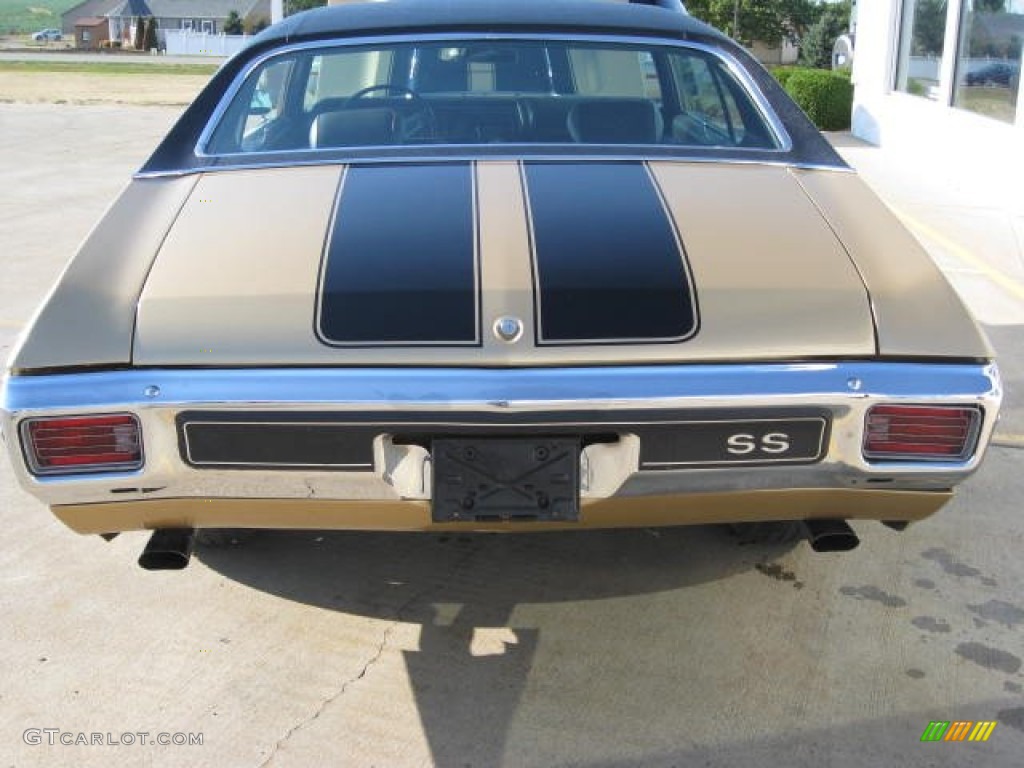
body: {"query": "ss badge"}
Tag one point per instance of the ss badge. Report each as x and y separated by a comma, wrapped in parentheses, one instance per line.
(744, 444)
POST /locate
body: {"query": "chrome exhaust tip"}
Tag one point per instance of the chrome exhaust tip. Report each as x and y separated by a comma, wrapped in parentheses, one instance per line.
(826, 535)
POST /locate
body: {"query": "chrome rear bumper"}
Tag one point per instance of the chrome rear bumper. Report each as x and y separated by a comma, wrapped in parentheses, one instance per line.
(498, 398)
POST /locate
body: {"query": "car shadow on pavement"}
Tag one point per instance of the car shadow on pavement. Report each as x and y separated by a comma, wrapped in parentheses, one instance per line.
(455, 585)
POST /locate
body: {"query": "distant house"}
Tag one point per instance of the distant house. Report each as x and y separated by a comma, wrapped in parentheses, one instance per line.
(774, 55)
(90, 9)
(206, 16)
(91, 32)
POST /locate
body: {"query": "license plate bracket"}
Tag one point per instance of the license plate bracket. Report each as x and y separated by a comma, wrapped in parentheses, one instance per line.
(506, 479)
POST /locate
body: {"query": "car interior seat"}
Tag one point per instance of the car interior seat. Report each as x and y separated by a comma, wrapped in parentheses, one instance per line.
(615, 121)
(374, 126)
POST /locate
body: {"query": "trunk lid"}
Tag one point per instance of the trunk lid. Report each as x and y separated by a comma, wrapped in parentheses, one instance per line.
(419, 264)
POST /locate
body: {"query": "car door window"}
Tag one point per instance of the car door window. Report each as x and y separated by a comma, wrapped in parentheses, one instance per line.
(267, 102)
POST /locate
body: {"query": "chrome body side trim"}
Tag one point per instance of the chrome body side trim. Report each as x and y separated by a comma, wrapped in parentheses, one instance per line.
(506, 396)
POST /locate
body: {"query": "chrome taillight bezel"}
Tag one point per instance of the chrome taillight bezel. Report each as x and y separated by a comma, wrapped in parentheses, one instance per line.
(975, 416)
(31, 454)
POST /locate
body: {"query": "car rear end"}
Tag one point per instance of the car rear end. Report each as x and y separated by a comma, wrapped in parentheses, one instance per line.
(513, 289)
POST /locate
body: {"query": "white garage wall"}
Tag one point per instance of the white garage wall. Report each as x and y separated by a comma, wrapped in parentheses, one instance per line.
(984, 155)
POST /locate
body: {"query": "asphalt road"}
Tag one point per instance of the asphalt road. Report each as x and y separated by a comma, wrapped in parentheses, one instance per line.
(645, 648)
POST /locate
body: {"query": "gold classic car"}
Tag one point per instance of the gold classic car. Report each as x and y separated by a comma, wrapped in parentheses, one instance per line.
(502, 267)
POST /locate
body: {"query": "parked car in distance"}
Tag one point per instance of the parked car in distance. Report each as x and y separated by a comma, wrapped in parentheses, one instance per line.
(994, 73)
(518, 266)
(47, 35)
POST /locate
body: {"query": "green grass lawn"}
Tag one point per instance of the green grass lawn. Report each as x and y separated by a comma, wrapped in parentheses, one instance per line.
(997, 102)
(108, 68)
(19, 17)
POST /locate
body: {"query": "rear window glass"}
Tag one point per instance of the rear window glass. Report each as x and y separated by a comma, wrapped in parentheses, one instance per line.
(491, 92)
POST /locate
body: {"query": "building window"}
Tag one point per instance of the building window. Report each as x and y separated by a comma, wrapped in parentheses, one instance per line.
(922, 39)
(186, 24)
(988, 60)
(207, 26)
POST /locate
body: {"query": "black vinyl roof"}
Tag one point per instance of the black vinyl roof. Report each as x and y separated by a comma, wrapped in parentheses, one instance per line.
(397, 16)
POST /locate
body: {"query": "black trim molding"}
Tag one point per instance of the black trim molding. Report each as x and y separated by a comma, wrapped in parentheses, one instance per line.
(344, 442)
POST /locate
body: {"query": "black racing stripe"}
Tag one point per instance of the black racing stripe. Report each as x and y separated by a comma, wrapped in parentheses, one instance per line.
(608, 264)
(401, 259)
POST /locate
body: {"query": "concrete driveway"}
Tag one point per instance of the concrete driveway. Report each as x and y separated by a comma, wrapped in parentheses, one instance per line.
(645, 648)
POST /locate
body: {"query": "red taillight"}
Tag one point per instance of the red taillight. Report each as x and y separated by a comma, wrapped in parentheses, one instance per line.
(65, 445)
(920, 432)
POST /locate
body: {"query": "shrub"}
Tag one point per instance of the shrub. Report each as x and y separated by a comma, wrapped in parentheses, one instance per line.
(782, 74)
(916, 87)
(826, 96)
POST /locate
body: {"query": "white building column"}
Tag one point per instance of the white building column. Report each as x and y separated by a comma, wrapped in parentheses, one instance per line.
(982, 157)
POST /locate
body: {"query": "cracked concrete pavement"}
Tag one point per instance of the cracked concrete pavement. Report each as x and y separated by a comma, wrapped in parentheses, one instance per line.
(634, 648)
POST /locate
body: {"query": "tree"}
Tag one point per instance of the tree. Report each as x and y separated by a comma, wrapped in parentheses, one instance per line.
(256, 25)
(929, 28)
(294, 6)
(767, 20)
(816, 45)
(140, 33)
(150, 41)
(233, 24)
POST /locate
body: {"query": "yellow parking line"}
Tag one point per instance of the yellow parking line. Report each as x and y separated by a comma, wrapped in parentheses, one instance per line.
(1009, 284)
(1006, 439)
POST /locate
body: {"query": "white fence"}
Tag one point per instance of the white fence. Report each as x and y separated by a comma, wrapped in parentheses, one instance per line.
(924, 67)
(191, 43)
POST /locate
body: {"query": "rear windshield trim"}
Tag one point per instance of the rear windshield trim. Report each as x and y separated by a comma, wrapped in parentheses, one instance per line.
(459, 154)
(778, 131)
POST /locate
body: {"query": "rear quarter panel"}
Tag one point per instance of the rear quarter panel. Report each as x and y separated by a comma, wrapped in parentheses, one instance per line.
(89, 317)
(917, 312)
